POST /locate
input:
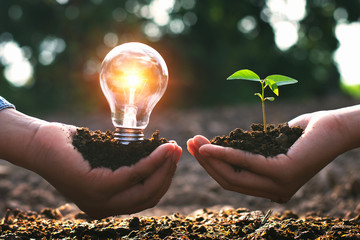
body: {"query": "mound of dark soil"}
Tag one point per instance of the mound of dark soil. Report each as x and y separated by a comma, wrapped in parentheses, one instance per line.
(101, 149)
(226, 224)
(274, 141)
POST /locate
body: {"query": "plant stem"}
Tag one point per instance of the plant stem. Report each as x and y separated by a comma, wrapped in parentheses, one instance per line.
(263, 104)
(264, 117)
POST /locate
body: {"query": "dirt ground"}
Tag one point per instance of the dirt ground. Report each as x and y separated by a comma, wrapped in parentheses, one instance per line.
(335, 191)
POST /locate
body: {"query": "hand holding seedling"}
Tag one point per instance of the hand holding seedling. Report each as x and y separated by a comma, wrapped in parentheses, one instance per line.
(46, 149)
(327, 134)
(273, 81)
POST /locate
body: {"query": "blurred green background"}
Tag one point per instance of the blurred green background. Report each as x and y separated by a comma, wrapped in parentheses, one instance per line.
(51, 51)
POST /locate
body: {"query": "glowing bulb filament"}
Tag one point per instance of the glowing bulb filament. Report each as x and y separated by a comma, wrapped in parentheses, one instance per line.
(132, 96)
(130, 116)
(133, 80)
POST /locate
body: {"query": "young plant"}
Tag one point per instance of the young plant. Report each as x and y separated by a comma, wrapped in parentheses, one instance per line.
(273, 81)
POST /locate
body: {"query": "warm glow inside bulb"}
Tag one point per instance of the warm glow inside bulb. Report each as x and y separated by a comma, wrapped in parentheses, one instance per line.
(133, 78)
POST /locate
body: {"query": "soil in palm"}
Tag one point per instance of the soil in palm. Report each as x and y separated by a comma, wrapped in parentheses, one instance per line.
(101, 149)
(274, 141)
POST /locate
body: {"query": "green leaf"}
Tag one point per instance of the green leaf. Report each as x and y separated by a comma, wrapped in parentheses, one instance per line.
(270, 98)
(273, 86)
(259, 95)
(245, 74)
(281, 80)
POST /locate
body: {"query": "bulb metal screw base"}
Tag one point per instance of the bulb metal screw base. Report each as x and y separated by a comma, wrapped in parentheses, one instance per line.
(127, 135)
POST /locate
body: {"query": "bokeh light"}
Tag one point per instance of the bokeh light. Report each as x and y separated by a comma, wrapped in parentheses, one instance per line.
(348, 52)
(18, 70)
(284, 16)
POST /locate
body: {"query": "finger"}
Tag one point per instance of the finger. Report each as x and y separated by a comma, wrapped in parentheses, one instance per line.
(177, 154)
(142, 196)
(193, 144)
(168, 174)
(125, 177)
(301, 121)
(220, 171)
(158, 193)
(252, 162)
(269, 190)
(203, 162)
(193, 148)
(147, 166)
(240, 181)
(200, 140)
(126, 201)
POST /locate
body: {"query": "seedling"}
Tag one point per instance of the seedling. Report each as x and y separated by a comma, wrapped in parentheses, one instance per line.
(273, 81)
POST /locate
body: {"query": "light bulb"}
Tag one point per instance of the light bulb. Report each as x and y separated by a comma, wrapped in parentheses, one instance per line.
(133, 78)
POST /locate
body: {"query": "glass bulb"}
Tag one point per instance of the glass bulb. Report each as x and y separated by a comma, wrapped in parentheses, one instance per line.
(133, 78)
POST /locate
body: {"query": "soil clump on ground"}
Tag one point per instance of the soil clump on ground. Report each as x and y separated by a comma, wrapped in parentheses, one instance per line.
(274, 141)
(101, 149)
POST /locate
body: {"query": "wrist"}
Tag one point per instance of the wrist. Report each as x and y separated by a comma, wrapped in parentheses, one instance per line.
(349, 126)
(16, 133)
(5, 104)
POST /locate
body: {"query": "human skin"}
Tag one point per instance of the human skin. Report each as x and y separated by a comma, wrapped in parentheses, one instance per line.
(46, 148)
(327, 134)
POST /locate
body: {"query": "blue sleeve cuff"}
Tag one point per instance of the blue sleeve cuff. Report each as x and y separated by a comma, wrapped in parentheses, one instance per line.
(5, 104)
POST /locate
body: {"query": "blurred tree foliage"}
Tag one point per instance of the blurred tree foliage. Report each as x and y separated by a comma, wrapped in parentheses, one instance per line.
(202, 43)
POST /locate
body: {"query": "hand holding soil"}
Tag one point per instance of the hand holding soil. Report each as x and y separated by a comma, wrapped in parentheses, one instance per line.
(327, 134)
(101, 192)
(46, 148)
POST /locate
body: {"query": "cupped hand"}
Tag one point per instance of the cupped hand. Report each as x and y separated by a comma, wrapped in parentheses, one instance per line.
(101, 192)
(277, 178)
